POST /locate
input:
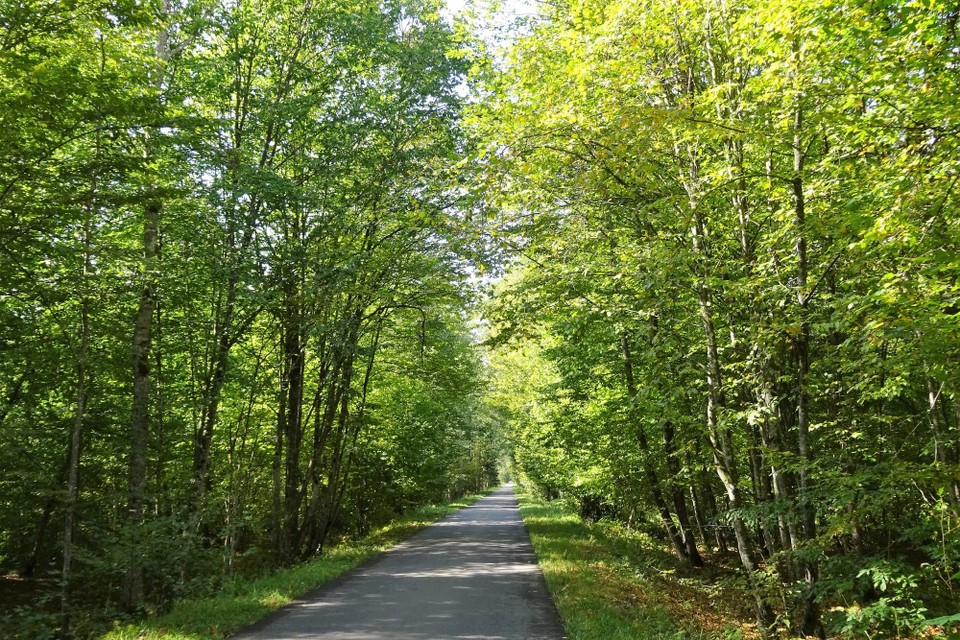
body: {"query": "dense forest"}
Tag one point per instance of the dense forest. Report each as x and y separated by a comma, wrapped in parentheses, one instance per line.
(246, 308)
(734, 314)
(234, 312)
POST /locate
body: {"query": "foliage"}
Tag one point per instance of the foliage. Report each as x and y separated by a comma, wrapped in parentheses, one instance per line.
(732, 315)
(611, 582)
(234, 297)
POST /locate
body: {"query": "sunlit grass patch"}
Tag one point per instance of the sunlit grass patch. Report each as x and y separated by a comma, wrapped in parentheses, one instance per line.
(612, 583)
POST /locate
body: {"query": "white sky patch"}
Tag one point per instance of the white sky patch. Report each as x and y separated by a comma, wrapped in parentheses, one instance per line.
(454, 7)
(497, 14)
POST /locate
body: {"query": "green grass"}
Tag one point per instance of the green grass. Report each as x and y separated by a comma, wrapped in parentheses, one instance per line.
(610, 583)
(246, 601)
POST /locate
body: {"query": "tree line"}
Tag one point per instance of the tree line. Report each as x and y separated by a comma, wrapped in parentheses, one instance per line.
(734, 313)
(234, 308)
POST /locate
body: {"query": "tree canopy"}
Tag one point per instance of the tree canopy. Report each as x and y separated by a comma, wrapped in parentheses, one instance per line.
(274, 272)
(733, 311)
(235, 304)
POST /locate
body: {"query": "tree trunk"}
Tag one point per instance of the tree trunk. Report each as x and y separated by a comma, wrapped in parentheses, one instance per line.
(340, 460)
(649, 473)
(213, 387)
(132, 596)
(810, 624)
(276, 510)
(70, 510)
(725, 462)
(73, 464)
(292, 427)
(225, 333)
(323, 429)
(133, 582)
(344, 436)
(933, 415)
(679, 501)
(698, 516)
(720, 437)
(29, 564)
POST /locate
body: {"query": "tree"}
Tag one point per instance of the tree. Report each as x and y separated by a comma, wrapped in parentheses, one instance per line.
(709, 181)
(264, 197)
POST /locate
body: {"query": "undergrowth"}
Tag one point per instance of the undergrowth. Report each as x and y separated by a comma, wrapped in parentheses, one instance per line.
(614, 583)
(247, 601)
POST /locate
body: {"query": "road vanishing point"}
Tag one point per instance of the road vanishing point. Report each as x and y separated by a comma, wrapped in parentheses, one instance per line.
(473, 575)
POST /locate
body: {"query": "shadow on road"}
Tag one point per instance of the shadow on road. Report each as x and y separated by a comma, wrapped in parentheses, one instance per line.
(472, 575)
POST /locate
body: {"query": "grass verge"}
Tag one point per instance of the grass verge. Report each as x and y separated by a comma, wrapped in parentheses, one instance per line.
(610, 583)
(245, 601)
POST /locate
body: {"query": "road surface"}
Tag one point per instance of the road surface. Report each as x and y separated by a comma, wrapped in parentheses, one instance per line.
(472, 575)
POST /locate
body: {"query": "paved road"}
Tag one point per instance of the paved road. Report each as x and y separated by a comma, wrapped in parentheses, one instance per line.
(472, 575)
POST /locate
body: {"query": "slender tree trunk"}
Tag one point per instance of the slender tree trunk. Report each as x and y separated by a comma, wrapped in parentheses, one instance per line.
(943, 452)
(276, 518)
(338, 445)
(342, 442)
(775, 438)
(772, 434)
(683, 541)
(330, 429)
(225, 334)
(73, 464)
(132, 597)
(291, 428)
(330, 386)
(238, 469)
(679, 501)
(70, 511)
(763, 489)
(294, 439)
(760, 479)
(29, 564)
(934, 392)
(345, 461)
(133, 583)
(213, 387)
(649, 473)
(291, 414)
(721, 439)
(323, 408)
(698, 515)
(810, 624)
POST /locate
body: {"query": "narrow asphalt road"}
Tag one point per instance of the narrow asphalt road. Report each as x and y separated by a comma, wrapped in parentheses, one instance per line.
(472, 575)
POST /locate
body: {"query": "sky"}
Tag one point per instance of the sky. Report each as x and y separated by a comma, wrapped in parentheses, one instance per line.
(509, 9)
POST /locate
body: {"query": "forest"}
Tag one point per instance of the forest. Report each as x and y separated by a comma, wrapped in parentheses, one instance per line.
(275, 272)
(235, 319)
